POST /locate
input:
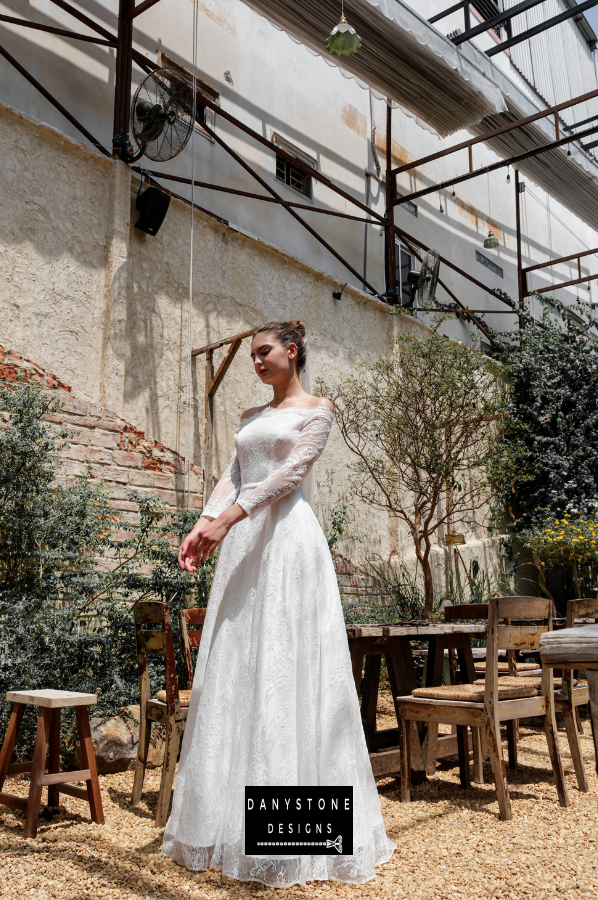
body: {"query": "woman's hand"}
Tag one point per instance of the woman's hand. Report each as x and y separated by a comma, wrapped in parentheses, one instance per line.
(207, 533)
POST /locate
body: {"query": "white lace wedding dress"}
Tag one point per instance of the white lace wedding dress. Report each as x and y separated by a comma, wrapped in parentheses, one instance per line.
(273, 700)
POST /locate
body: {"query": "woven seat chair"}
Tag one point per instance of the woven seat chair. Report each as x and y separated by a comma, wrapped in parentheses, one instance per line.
(153, 632)
(191, 622)
(486, 706)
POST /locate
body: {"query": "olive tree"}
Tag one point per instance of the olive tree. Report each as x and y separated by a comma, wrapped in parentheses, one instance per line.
(423, 425)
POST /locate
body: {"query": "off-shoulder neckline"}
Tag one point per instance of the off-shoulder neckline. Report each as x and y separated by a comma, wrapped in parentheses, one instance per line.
(286, 409)
(300, 408)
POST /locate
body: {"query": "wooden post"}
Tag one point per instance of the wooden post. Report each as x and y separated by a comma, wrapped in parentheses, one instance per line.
(389, 232)
(212, 383)
(209, 428)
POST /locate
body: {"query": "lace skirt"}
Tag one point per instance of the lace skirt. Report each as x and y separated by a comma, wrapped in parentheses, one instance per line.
(273, 703)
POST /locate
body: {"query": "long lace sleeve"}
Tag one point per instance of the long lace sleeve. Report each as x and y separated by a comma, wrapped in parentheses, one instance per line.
(296, 466)
(226, 491)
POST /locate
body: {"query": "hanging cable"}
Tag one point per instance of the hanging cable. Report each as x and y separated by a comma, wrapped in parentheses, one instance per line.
(189, 403)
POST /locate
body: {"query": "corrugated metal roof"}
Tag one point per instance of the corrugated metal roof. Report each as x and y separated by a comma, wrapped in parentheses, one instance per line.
(402, 57)
(556, 63)
(572, 180)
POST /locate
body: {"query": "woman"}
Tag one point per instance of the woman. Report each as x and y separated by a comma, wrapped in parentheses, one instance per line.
(273, 700)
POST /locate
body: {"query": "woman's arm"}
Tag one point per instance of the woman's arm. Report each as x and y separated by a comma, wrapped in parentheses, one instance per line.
(203, 539)
(296, 466)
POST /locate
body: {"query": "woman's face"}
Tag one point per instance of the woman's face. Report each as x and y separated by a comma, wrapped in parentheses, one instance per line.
(273, 362)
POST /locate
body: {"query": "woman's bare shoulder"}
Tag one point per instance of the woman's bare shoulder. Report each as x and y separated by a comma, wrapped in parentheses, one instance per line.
(323, 402)
(252, 411)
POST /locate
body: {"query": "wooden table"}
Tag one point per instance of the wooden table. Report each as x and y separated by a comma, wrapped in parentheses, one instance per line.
(394, 643)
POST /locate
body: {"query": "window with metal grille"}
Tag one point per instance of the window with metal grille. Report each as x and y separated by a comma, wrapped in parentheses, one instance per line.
(409, 207)
(293, 176)
(489, 264)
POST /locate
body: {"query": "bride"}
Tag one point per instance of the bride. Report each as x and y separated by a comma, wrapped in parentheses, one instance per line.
(273, 699)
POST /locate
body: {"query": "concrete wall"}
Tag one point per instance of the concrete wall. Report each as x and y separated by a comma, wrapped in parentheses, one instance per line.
(277, 86)
(107, 307)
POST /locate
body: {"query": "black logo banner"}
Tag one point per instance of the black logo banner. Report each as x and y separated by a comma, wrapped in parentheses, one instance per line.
(302, 821)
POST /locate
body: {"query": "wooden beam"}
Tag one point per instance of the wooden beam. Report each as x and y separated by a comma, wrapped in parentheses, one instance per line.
(13, 801)
(208, 427)
(217, 344)
(223, 367)
(67, 777)
(73, 791)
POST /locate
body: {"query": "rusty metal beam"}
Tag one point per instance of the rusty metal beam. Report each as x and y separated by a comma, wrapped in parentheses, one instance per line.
(137, 10)
(389, 236)
(286, 205)
(251, 196)
(83, 18)
(9, 58)
(62, 32)
(543, 26)
(563, 284)
(409, 242)
(537, 151)
(561, 259)
(206, 212)
(299, 164)
(124, 70)
(519, 123)
(409, 238)
(521, 281)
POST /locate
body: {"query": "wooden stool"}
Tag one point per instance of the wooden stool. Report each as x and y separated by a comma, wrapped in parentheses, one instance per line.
(48, 733)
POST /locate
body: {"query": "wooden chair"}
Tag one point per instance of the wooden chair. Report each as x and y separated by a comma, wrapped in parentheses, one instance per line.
(191, 622)
(50, 702)
(571, 695)
(466, 611)
(153, 632)
(490, 704)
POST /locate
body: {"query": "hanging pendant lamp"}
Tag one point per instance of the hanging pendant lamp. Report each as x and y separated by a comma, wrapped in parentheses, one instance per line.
(491, 242)
(343, 40)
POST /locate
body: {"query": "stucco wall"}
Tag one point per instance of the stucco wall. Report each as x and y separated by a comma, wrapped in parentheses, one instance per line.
(105, 306)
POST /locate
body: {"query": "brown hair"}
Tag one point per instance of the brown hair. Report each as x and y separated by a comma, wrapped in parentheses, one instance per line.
(292, 332)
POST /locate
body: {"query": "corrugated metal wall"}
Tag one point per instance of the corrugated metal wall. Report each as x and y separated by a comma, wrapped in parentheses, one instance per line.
(558, 62)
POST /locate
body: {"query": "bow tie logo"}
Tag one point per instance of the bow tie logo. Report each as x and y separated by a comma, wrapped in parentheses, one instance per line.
(337, 844)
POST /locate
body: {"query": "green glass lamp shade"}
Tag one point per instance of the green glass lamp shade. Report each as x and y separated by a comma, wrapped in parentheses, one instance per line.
(491, 242)
(343, 40)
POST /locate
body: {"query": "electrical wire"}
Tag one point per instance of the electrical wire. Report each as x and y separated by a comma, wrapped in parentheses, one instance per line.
(189, 403)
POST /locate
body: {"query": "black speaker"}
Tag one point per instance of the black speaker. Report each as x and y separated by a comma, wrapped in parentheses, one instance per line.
(153, 205)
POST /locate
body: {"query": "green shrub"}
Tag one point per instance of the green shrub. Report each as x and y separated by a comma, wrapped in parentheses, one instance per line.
(71, 569)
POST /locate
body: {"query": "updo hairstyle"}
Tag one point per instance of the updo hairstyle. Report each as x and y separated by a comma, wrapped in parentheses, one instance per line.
(292, 332)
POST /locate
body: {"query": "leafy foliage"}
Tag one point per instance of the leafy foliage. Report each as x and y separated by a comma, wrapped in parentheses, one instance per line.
(553, 422)
(422, 425)
(71, 569)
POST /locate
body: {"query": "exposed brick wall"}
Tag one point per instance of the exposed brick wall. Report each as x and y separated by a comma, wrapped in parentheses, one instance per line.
(117, 452)
(357, 585)
(125, 457)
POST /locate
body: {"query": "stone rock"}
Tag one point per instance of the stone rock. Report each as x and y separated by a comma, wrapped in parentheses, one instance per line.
(115, 742)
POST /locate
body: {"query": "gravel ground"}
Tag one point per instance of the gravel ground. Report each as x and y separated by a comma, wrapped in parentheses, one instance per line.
(450, 843)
